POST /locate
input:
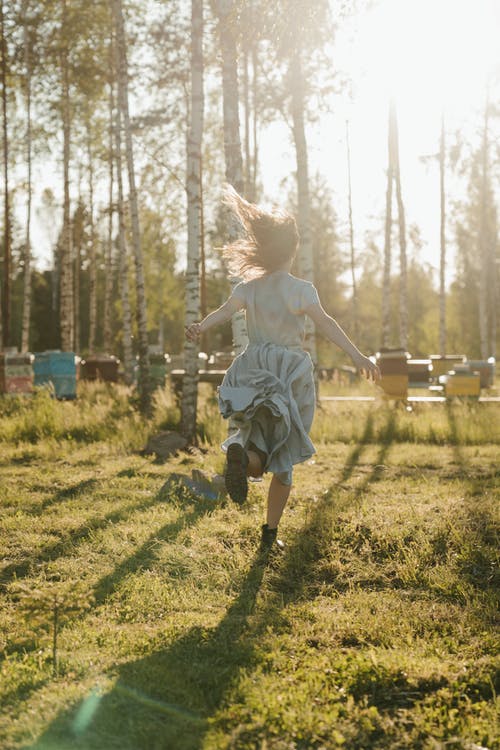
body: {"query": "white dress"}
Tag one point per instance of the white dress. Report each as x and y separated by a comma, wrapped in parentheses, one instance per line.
(269, 388)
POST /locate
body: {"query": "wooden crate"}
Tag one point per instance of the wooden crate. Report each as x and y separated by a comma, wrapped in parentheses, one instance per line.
(442, 365)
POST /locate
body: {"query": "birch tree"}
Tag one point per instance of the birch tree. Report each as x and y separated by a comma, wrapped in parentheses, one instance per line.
(108, 263)
(351, 237)
(128, 359)
(193, 172)
(25, 326)
(226, 14)
(66, 310)
(305, 258)
(484, 265)
(442, 242)
(92, 241)
(122, 70)
(7, 222)
(403, 273)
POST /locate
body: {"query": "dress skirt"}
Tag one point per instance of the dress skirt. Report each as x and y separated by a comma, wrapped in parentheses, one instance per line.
(268, 392)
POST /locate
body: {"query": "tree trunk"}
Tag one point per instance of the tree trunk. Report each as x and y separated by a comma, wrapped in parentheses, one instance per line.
(386, 283)
(25, 330)
(253, 191)
(144, 375)
(442, 237)
(190, 381)
(403, 274)
(7, 226)
(108, 265)
(305, 258)
(232, 143)
(92, 253)
(483, 239)
(351, 239)
(66, 310)
(128, 357)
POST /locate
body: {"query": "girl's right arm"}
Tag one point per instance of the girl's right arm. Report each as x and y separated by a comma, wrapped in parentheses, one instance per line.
(224, 313)
(331, 329)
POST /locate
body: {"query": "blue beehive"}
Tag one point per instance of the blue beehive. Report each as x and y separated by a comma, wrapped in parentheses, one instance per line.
(59, 369)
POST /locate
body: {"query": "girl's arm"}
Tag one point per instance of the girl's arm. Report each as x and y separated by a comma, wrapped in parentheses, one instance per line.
(224, 313)
(331, 329)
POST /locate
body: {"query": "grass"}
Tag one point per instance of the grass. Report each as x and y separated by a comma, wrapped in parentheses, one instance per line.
(377, 627)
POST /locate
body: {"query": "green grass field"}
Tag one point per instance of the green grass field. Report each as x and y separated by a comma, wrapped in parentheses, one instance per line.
(376, 627)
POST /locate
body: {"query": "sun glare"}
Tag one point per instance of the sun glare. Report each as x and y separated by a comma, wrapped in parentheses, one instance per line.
(438, 52)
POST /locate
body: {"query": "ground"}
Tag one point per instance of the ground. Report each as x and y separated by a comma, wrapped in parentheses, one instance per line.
(376, 627)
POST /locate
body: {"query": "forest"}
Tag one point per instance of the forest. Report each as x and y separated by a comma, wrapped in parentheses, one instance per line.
(122, 121)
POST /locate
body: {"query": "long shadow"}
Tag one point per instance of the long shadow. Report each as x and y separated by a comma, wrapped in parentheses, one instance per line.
(67, 493)
(481, 567)
(166, 700)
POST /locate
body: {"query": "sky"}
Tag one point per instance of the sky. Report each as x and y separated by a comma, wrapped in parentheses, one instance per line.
(432, 57)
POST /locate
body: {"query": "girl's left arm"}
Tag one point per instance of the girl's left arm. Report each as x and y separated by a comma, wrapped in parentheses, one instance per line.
(224, 313)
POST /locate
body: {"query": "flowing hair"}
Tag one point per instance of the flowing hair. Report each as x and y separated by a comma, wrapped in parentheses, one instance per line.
(270, 238)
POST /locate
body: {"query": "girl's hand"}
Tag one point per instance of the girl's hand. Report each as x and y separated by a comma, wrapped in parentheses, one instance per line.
(193, 331)
(366, 367)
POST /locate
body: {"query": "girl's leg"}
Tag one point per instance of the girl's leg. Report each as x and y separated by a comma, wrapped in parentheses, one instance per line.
(255, 463)
(276, 501)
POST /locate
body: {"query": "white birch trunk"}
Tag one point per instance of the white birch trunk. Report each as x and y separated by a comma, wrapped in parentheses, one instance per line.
(351, 238)
(386, 282)
(108, 263)
(442, 238)
(25, 330)
(7, 225)
(232, 143)
(194, 144)
(483, 241)
(128, 356)
(66, 305)
(403, 273)
(144, 376)
(305, 258)
(92, 254)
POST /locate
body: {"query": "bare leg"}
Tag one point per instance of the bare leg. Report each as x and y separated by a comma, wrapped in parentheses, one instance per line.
(276, 501)
(254, 468)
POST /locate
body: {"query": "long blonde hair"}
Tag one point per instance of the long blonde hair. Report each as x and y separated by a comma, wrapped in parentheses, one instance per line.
(270, 238)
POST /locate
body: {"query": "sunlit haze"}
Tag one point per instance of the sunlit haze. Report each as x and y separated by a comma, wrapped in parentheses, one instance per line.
(434, 58)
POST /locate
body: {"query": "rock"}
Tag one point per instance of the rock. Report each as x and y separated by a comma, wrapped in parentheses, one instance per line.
(165, 444)
(198, 483)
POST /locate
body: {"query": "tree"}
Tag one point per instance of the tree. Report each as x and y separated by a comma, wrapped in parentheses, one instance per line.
(351, 238)
(66, 310)
(226, 14)
(128, 360)
(122, 69)
(386, 285)
(7, 222)
(442, 242)
(25, 331)
(193, 189)
(403, 274)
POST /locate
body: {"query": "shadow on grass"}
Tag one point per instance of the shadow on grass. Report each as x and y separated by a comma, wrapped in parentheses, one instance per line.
(479, 560)
(167, 699)
(67, 493)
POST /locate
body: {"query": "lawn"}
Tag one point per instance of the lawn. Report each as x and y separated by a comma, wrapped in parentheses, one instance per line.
(376, 627)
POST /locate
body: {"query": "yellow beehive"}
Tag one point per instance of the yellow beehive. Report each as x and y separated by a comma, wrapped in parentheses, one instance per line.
(394, 386)
(462, 384)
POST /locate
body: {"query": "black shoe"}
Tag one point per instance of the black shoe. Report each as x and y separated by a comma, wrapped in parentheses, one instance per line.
(236, 473)
(269, 538)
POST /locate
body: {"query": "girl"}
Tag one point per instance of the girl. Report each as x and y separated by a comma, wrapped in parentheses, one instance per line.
(268, 391)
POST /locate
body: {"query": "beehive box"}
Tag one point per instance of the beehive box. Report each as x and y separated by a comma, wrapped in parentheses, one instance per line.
(100, 367)
(56, 369)
(419, 372)
(393, 365)
(442, 365)
(461, 383)
(485, 368)
(16, 372)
